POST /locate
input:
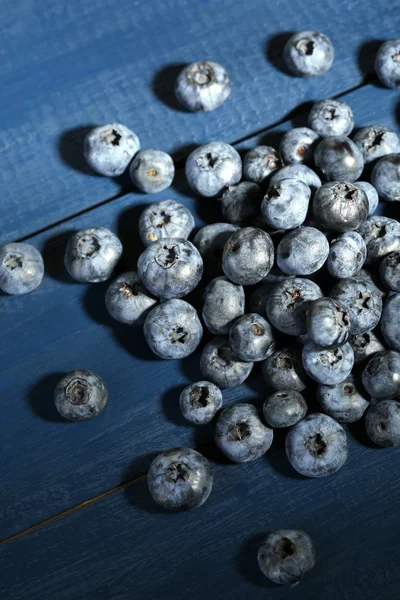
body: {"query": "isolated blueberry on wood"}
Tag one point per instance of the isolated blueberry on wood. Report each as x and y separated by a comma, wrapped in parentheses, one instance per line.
(165, 219)
(308, 53)
(152, 171)
(200, 402)
(203, 86)
(21, 268)
(382, 423)
(80, 395)
(387, 63)
(219, 364)
(91, 254)
(212, 168)
(286, 555)
(127, 299)
(110, 148)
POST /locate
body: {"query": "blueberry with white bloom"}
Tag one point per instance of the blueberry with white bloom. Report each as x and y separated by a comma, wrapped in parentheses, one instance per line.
(212, 168)
(381, 376)
(91, 254)
(381, 236)
(152, 171)
(331, 118)
(390, 323)
(385, 178)
(110, 148)
(286, 555)
(364, 346)
(308, 53)
(21, 268)
(347, 254)
(285, 205)
(283, 370)
(241, 203)
(362, 300)
(203, 86)
(302, 251)
(284, 408)
(252, 338)
(223, 303)
(343, 401)
(301, 172)
(248, 256)
(328, 323)
(80, 395)
(387, 63)
(260, 162)
(200, 402)
(372, 195)
(220, 365)
(127, 300)
(327, 365)
(165, 219)
(288, 303)
(340, 206)
(382, 423)
(338, 159)
(210, 242)
(297, 146)
(376, 141)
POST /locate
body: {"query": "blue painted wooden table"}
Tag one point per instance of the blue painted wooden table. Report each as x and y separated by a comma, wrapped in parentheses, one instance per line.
(76, 519)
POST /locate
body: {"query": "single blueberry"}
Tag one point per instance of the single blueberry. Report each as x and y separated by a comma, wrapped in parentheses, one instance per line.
(389, 271)
(331, 118)
(200, 402)
(21, 268)
(203, 86)
(390, 325)
(363, 301)
(210, 241)
(340, 206)
(241, 203)
(327, 365)
(382, 423)
(328, 323)
(308, 53)
(284, 408)
(338, 159)
(283, 370)
(343, 401)
(301, 172)
(165, 219)
(248, 256)
(381, 236)
(285, 204)
(381, 376)
(260, 162)
(127, 300)
(289, 302)
(385, 178)
(286, 555)
(223, 303)
(170, 268)
(219, 364)
(152, 171)
(252, 338)
(347, 255)
(364, 346)
(240, 434)
(317, 446)
(91, 254)
(212, 168)
(180, 479)
(173, 329)
(80, 395)
(387, 63)
(302, 251)
(110, 148)
(372, 195)
(297, 146)
(376, 141)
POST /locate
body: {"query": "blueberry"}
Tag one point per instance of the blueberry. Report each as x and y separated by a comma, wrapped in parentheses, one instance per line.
(376, 141)
(297, 146)
(331, 118)
(240, 434)
(200, 402)
(385, 178)
(328, 323)
(152, 171)
(219, 364)
(381, 376)
(241, 203)
(363, 301)
(203, 86)
(252, 338)
(340, 206)
(180, 479)
(21, 268)
(289, 302)
(371, 277)
(343, 401)
(165, 219)
(327, 365)
(302, 251)
(301, 172)
(390, 326)
(283, 370)
(387, 63)
(286, 555)
(372, 195)
(110, 148)
(170, 268)
(80, 395)
(339, 159)
(364, 346)
(173, 329)
(248, 256)
(284, 408)
(260, 162)
(382, 423)
(285, 205)
(210, 241)
(381, 236)
(317, 446)
(308, 53)
(212, 168)
(91, 254)
(347, 255)
(127, 300)
(389, 271)
(223, 302)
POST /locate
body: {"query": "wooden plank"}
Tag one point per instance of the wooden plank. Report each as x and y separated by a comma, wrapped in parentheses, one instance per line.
(49, 465)
(68, 65)
(123, 547)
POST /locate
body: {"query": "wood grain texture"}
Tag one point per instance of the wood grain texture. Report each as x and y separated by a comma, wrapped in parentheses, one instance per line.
(49, 465)
(66, 66)
(123, 547)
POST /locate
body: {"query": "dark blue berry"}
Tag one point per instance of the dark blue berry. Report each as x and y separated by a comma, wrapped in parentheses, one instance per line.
(127, 300)
(289, 302)
(340, 206)
(252, 338)
(297, 146)
(241, 203)
(248, 256)
(283, 370)
(381, 376)
(92, 254)
(328, 323)
(219, 364)
(21, 268)
(223, 303)
(200, 402)
(328, 366)
(80, 395)
(382, 423)
(284, 408)
(338, 159)
(286, 555)
(302, 251)
(285, 205)
(343, 401)
(212, 168)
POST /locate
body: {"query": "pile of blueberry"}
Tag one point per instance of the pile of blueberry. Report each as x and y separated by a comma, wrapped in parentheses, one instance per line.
(302, 278)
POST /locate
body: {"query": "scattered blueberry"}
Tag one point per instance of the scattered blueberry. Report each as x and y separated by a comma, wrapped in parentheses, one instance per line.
(297, 146)
(331, 118)
(382, 423)
(240, 203)
(328, 323)
(285, 204)
(284, 408)
(376, 141)
(389, 271)
(127, 300)
(248, 256)
(363, 301)
(212, 168)
(387, 63)
(260, 162)
(200, 402)
(252, 338)
(302, 251)
(343, 401)
(210, 241)
(219, 364)
(80, 395)
(286, 555)
(110, 148)
(328, 366)
(21, 268)
(385, 178)
(372, 195)
(91, 254)
(381, 236)
(308, 53)
(283, 370)
(390, 325)
(340, 206)
(165, 219)
(223, 303)
(152, 171)
(203, 86)
(381, 376)
(338, 159)
(364, 346)
(301, 172)
(347, 255)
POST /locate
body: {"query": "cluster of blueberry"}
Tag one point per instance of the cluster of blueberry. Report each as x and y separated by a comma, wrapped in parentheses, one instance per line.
(284, 230)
